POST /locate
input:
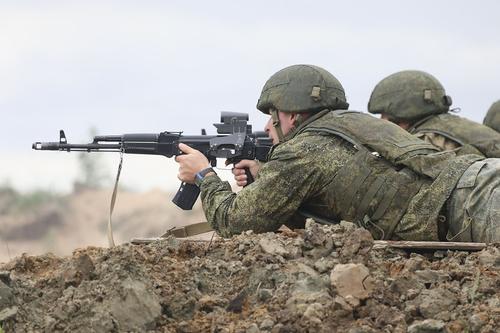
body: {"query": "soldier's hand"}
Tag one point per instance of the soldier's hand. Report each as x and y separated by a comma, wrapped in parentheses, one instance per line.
(190, 163)
(239, 171)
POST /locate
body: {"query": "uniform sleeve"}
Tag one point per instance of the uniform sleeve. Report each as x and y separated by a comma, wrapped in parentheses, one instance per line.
(283, 183)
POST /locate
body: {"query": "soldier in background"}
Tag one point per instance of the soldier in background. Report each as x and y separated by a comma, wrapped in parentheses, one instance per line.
(417, 102)
(333, 164)
(492, 118)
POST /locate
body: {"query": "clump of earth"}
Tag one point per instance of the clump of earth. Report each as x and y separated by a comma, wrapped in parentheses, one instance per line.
(321, 279)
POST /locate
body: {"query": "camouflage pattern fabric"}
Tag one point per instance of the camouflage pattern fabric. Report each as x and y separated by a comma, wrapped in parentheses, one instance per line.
(437, 140)
(474, 207)
(316, 170)
(447, 131)
(296, 172)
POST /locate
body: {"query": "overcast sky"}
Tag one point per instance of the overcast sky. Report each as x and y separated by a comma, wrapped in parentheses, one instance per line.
(150, 66)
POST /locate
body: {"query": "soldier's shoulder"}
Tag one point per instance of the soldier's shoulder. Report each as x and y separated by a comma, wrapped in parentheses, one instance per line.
(310, 145)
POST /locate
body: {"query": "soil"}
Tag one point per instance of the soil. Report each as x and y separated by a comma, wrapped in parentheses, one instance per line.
(321, 279)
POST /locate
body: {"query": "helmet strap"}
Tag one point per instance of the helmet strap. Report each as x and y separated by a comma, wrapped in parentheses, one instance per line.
(276, 124)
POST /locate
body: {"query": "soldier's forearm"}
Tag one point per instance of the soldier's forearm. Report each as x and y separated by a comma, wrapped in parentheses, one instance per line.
(229, 214)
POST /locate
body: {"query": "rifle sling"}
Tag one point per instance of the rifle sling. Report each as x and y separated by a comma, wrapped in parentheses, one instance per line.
(189, 230)
(111, 241)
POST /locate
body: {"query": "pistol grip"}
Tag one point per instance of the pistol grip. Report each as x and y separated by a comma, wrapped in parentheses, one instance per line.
(250, 179)
(186, 196)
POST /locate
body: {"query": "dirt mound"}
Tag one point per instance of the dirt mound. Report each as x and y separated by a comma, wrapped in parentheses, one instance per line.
(322, 279)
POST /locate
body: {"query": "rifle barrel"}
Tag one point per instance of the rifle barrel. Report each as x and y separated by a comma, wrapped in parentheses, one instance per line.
(77, 147)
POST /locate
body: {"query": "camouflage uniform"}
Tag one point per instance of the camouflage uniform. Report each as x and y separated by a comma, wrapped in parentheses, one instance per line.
(474, 208)
(492, 118)
(324, 173)
(420, 99)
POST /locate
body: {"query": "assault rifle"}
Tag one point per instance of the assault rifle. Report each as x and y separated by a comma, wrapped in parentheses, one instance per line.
(234, 142)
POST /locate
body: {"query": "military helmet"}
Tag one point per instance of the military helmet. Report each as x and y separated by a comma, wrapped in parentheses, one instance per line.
(492, 118)
(302, 88)
(409, 95)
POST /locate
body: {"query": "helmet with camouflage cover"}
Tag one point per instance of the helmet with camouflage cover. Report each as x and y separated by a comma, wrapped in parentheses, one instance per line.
(409, 95)
(302, 88)
(492, 118)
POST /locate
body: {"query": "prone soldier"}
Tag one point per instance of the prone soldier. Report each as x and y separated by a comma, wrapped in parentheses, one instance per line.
(417, 102)
(333, 164)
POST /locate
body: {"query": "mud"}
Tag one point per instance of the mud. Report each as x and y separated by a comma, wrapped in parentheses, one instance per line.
(321, 279)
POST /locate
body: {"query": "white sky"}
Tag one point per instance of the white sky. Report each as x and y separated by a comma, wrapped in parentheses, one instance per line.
(150, 66)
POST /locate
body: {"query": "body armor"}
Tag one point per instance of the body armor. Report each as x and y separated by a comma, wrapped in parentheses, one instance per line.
(394, 178)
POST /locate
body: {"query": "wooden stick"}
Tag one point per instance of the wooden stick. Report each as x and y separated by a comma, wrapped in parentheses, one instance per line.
(414, 245)
(378, 244)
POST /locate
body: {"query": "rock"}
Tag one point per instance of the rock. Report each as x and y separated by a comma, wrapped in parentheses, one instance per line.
(352, 279)
(348, 225)
(415, 262)
(272, 247)
(6, 296)
(253, 329)
(264, 294)
(439, 254)
(82, 268)
(278, 328)
(208, 303)
(362, 329)
(403, 284)
(431, 276)
(5, 277)
(314, 313)
(339, 303)
(7, 313)
(314, 235)
(135, 299)
(353, 301)
(456, 326)
(360, 241)
(324, 264)
(434, 301)
(427, 326)
(307, 291)
(267, 324)
(477, 321)
(236, 304)
(489, 257)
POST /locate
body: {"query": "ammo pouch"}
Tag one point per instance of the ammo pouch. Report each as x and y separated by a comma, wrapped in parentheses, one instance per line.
(375, 194)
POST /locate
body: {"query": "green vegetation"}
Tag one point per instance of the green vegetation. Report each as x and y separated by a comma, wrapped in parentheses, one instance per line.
(12, 201)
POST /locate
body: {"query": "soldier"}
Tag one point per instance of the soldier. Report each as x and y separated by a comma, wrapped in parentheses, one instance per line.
(333, 164)
(492, 118)
(417, 102)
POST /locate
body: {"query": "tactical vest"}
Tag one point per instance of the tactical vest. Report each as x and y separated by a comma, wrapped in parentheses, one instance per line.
(393, 178)
(462, 131)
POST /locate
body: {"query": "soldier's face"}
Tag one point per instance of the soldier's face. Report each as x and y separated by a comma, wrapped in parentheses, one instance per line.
(287, 122)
